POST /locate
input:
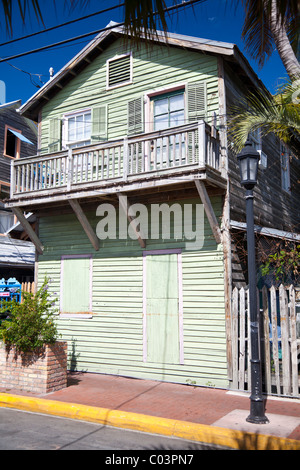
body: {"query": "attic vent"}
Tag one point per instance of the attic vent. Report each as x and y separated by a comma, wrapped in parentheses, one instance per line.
(119, 71)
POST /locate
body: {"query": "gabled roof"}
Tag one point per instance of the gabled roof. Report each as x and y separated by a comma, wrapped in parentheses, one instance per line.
(113, 32)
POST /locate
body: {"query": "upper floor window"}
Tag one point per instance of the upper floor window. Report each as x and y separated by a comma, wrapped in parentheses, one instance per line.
(6, 220)
(78, 129)
(255, 139)
(12, 142)
(119, 71)
(168, 110)
(285, 168)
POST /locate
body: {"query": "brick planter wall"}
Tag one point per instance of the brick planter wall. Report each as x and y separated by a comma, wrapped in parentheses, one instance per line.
(39, 372)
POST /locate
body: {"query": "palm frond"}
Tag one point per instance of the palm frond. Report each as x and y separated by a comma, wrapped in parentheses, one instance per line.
(256, 33)
(144, 18)
(278, 114)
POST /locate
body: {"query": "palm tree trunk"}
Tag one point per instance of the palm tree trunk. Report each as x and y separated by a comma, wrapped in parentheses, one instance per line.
(283, 45)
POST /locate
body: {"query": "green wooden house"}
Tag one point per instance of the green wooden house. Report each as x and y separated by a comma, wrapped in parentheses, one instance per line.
(136, 194)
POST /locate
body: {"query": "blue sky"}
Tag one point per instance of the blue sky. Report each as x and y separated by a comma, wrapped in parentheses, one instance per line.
(210, 19)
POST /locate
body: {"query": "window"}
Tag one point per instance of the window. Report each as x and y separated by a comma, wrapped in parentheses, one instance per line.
(119, 71)
(81, 128)
(285, 168)
(12, 143)
(255, 139)
(76, 284)
(78, 129)
(168, 110)
(6, 221)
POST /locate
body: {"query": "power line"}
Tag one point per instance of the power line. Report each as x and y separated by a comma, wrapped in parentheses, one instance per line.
(166, 10)
(60, 25)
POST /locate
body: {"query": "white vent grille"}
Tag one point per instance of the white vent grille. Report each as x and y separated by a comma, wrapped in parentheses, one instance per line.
(119, 71)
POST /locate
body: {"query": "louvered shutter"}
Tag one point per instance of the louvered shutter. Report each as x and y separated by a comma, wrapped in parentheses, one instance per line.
(119, 71)
(54, 135)
(99, 123)
(135, 116)
(196, 99)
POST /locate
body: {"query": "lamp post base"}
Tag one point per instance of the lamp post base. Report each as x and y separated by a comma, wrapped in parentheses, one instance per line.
(257, 413)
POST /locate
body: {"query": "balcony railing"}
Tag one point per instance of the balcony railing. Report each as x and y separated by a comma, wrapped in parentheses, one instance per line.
(143, 156)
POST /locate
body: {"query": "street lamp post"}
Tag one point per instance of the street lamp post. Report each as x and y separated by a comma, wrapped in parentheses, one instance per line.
(248, 162)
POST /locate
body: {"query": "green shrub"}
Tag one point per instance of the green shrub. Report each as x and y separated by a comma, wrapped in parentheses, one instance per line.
(30, 325)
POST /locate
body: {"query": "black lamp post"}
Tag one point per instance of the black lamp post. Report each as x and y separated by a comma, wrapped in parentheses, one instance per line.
(248, 163)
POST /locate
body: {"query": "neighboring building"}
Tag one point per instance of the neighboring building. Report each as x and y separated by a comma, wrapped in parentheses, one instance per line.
(134, 128)
(18, 139)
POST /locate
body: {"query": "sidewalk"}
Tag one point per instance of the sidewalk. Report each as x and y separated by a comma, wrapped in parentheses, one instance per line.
(195, 413)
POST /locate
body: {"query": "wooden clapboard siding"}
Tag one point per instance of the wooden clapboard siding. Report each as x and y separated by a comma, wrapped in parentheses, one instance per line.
(153, 69)
(112, 340)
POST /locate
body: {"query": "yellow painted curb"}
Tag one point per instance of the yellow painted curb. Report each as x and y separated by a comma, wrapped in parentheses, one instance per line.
(168, 427)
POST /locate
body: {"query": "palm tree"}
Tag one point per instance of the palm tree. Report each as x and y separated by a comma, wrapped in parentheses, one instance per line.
(269, 24)
(279, 114)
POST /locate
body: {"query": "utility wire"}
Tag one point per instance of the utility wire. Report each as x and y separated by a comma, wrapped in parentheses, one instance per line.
(167, 10)
(61, 25)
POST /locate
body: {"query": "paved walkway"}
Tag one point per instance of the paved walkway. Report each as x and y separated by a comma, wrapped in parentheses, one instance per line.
(195, 413)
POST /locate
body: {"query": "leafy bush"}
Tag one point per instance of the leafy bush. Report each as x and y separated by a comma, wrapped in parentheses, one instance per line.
(30, 324)
(284, 264)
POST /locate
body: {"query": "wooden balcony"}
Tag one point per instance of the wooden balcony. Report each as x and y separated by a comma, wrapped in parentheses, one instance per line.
(153, 159)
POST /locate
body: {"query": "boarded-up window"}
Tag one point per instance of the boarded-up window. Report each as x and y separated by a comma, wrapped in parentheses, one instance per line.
(76, 284)
(119, 71)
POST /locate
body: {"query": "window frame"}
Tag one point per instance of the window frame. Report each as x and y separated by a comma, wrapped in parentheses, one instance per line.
(152, 95)
(285, 173)
(169, 113)
(8, 214)
(256, 139)
(74, 314)
(118, 57)
(66, 144)
(17, 144)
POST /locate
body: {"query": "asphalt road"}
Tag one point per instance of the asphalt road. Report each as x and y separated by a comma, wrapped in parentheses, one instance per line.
(20, 430)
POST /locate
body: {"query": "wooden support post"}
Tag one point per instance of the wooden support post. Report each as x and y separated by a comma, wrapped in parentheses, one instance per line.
(209, 210)
(125, 206)
(28, 229)
(85, 223)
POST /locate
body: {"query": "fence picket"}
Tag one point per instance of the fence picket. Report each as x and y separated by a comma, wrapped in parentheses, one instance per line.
(294, 349)
(279, 345)
(284, 340)
(234, 326)
(266, 342)
(242, 335)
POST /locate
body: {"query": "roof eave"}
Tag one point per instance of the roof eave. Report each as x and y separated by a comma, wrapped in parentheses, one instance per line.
(31, 108)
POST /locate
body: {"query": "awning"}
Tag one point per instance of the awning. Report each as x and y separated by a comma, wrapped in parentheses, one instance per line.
(269, 232)
(20, 136)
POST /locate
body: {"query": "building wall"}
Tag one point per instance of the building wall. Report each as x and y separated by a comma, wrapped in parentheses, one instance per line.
(111, 340)
(154, 68)
(273, 206)
(12, 119)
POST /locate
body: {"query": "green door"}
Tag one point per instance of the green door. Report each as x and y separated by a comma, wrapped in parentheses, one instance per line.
(162, 308)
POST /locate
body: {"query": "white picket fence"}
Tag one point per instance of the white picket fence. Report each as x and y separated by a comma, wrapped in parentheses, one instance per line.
(279, 341)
